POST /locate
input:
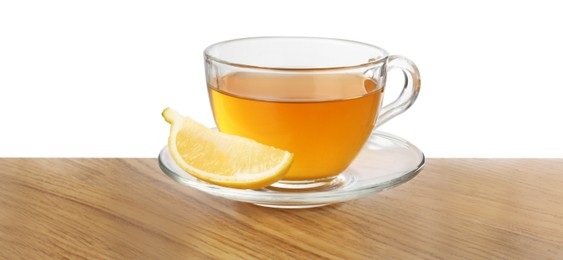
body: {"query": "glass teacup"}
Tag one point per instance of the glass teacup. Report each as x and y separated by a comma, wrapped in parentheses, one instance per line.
(318, 98)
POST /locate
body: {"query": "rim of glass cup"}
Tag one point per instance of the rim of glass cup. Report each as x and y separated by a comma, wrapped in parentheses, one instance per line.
(371, 61)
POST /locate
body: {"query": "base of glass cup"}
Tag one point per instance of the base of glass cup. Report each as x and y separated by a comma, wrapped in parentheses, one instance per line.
(304, 187)
(324, 184)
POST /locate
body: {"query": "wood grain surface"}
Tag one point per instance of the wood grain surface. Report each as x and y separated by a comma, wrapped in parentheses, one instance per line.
(128, 209)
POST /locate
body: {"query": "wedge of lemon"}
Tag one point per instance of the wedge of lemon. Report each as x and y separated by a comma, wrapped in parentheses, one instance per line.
(223, 159)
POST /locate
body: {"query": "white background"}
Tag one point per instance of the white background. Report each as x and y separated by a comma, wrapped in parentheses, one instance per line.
(90, 78)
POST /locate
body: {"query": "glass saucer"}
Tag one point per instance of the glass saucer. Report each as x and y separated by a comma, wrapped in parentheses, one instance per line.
(384, 162)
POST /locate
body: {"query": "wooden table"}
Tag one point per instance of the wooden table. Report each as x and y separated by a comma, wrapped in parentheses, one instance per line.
(128, 209)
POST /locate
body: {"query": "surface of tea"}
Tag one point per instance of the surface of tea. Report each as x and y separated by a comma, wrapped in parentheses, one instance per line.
(323, 119)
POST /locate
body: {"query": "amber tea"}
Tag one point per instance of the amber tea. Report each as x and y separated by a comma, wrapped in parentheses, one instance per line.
(324, 119)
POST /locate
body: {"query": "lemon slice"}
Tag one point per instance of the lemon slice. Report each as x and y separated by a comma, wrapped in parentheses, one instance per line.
(223, 159)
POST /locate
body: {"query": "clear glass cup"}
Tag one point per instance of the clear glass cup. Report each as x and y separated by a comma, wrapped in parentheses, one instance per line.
(319, 98)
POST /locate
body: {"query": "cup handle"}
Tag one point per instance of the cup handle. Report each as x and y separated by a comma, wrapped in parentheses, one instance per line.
(408, 94)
